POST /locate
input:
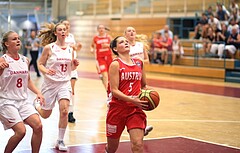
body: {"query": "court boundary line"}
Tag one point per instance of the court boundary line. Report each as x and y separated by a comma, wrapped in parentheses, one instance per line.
(189, 120)
(205, 141)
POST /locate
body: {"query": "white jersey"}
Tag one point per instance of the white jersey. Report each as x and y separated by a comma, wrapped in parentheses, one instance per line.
(176, 48)
(137, 50)
(60, 61)
(14, 79)
(70, 40)
(175, 45)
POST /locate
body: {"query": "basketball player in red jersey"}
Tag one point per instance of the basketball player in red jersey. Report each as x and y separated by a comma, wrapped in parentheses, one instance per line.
(56, 63)
(15, 109)
(126, 78)
(103, 54)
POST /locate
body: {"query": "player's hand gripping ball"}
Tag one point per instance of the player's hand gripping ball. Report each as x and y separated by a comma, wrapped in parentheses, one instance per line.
(151, 96)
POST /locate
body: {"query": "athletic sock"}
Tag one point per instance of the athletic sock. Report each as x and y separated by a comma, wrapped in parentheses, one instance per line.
(61, 133)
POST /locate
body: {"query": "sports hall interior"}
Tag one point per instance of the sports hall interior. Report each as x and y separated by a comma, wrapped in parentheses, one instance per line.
(199, 95)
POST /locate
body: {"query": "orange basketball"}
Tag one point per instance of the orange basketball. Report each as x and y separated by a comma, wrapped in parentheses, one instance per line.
(151, 96)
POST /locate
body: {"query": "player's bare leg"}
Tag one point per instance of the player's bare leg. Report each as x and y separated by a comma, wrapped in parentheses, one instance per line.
(136, 137)
(35, 123)
(105, 79)
(19, 132)
(62, 125)
(112, 145)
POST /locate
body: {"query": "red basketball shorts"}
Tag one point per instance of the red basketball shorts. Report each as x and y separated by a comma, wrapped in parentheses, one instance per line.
(118, 117)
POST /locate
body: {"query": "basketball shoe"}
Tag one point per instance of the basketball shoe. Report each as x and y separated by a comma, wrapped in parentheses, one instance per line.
(71, 119)
(148, 129)
(61, 146)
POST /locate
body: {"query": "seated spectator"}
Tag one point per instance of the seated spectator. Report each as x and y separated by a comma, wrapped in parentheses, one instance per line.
(221, 14)
(204, 31)
(209, 11)
(232, 23)
(198, 28)
(234, 10)
(203, 35)
(153, 44)
(204, 19)
(167, 44)
(233, 6)
(234, 16)
(166, 29)
(212, 21)
(223, 8)
(177, 49)
(218, 46)
(158, 48)
(233, 42)
(207, 42)
(198, 31)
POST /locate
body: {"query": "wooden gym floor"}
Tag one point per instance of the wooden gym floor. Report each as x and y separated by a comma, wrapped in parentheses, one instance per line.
(195, 115)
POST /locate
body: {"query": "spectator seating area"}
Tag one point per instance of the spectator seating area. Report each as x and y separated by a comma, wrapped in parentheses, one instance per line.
(215, 42)
(194, 63)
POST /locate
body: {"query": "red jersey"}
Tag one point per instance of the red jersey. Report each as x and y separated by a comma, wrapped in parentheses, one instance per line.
(157, 43)
(130, 77)
(169, 44)
(99, 40)
(123, 113)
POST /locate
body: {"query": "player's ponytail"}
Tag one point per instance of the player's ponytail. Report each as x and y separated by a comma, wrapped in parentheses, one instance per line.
(47, 33)
(144, 39)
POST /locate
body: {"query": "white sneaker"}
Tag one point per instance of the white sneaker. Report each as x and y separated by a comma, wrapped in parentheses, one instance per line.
(148, 129)
(61, 146)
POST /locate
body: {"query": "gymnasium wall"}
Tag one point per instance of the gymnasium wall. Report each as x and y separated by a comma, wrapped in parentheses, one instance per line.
(85, 29)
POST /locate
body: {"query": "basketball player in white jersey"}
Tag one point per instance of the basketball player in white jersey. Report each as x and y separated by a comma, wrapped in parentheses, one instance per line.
(70, 40)
(15, 110)
(137, 50)
(56, 63)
